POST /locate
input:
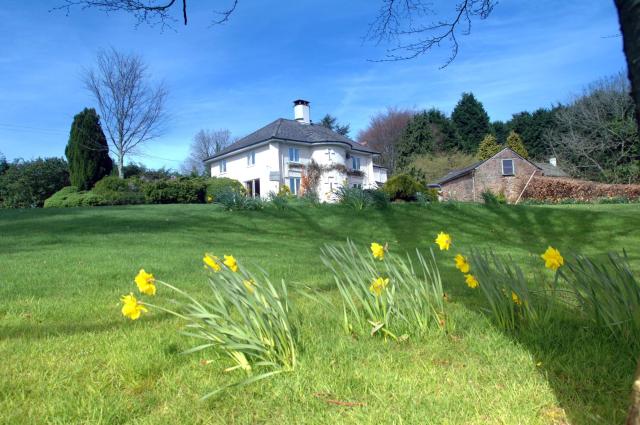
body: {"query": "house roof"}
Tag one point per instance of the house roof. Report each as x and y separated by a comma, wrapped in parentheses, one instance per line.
(550, 170)
(454, 174)
(292, 130)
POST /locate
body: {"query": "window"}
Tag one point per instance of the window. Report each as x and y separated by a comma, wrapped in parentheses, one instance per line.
(294, 155)
(223, 166)
(294, 185)
(251, 158)
(357, 185)
(253, 188)
(508, 167)
(355, 163)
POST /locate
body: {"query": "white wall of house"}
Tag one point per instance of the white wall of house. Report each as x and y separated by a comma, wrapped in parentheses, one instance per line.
(273, 167)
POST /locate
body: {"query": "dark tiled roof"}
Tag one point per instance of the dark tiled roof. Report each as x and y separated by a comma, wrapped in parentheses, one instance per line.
(454, 174)
(551, 170)
(292, 130)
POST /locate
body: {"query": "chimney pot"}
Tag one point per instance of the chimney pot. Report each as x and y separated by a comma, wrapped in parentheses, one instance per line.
(553, 161)
(301, 111)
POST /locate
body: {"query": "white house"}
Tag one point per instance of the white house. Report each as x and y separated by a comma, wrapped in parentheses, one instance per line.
(282, 152)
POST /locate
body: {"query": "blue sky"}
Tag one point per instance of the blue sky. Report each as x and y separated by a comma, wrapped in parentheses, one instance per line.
(244, 74)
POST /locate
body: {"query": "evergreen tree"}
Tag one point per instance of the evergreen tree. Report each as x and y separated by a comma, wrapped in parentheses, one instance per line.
(443, 131)
(331, 123)
(533, 127)
(514, 141)
(417, 139)
(488, 147)
(471, 122)
(87, 150)
(500, 129)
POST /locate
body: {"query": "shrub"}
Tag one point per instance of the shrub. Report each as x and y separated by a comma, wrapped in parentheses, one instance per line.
(244, 317)
(70, 196)
(429, 196)
(280, 200)
(217, 185)
(175, 191)
(233, 201)
(353, 197)
(27, 184)
(402, 186)
(378, 198)
(490, 198)
(117, 191)
(382, 294)
(556, 190)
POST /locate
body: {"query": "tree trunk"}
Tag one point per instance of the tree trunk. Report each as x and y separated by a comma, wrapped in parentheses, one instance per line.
(629, 17)
(121, 166)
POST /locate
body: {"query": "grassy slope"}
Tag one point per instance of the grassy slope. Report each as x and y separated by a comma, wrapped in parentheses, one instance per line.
(68, 356)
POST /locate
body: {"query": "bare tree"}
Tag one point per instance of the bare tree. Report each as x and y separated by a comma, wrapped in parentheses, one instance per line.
(383, 133)
(596, 133)
(205, 144)
(132, 110)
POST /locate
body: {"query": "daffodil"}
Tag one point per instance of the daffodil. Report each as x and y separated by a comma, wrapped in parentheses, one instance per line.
(378, 285)
(516, 299)
(552, 259)
(250, 285)
(461, 264)
(145, 282)
(211, 261)
(443, 241)
(471, 280)
(209, 198)
(131, 308)
(231, 262)
(377, 250)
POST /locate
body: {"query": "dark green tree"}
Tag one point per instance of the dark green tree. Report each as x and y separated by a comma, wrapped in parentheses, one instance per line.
(444, 133)
(3, 163)
(417, 139)
(471, 122)
(331, 123)
(87, 150)
(500, 129)
(26, 184)
(533, 127)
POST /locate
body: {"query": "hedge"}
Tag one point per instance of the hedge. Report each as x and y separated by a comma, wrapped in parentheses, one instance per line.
(549, 189)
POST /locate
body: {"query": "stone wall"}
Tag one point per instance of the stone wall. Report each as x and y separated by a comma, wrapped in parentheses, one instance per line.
(488, 176)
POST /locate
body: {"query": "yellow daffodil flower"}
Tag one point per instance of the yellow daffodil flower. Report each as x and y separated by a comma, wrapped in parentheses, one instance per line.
(131, 308)
(230, 262)
(461, 264)
(145, 282)
(443, 241)
(552, 259)
(377, 250)
(471, 280)
(378, 285)
(516, 299)
(250, 285)
(209, 198)
(211, 261)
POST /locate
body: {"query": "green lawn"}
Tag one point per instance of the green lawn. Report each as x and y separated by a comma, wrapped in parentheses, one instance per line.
(68, 356)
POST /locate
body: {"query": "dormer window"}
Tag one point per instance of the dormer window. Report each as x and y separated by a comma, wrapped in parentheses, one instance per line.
(251, 158)
(355, 163)
(508, 167)
(294, 155)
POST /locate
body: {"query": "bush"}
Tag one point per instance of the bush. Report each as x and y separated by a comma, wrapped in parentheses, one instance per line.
(353, 197)
(117, 191)
(556, 190)
(402, 186)
(179, 191)
(27, 184)
(379, 199)
(233, 201)
(217, 185)
(490, 198)
(429, 196)
(70, 196)
(280, 200)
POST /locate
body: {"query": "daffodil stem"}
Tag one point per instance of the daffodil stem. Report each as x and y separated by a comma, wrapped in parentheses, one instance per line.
(165, 310)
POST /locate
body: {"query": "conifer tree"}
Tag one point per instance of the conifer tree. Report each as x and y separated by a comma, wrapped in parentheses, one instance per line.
(514, 141)
(87, 150)
(488, 147)
(471, 122)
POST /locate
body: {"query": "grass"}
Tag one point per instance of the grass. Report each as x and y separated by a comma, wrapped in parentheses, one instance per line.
(68, 356)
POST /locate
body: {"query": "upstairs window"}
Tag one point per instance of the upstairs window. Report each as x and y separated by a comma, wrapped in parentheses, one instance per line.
(223, 166)
(251, 158)
(294, 155)
(508, 167)
(355, 163)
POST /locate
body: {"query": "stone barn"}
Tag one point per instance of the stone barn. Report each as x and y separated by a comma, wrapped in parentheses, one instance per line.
(504, 173)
